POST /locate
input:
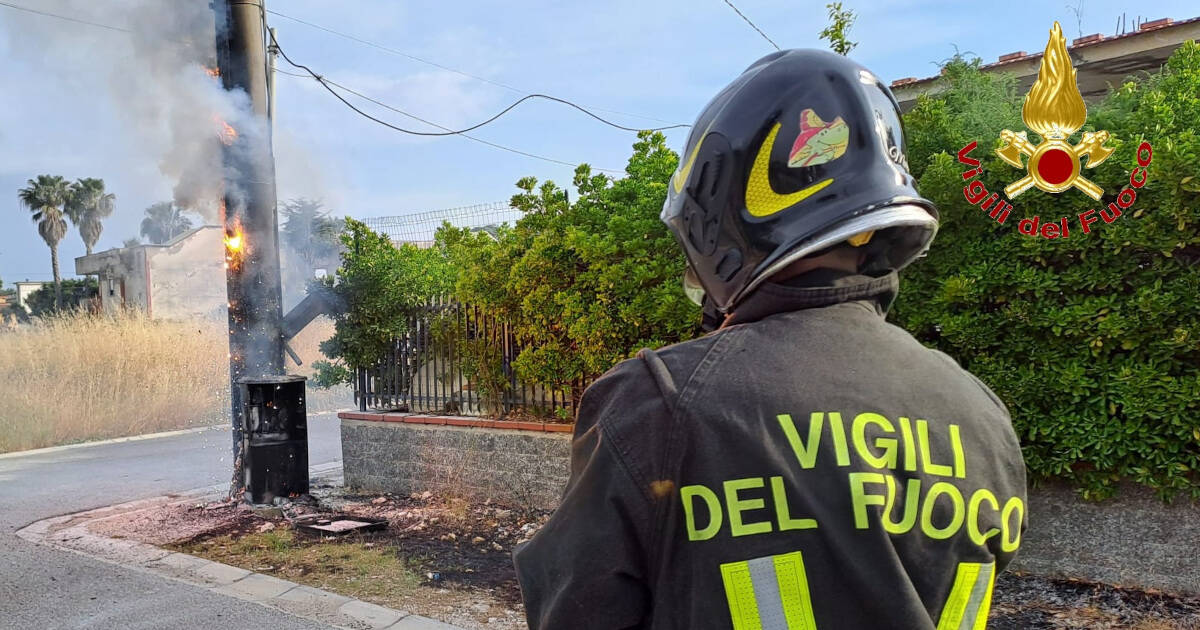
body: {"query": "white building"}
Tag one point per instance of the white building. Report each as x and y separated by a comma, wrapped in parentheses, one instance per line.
(25, 289)
(180, 279)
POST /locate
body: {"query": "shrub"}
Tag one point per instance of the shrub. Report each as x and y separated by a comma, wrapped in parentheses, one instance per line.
(379, 283)
(76, 293)
(584, 283)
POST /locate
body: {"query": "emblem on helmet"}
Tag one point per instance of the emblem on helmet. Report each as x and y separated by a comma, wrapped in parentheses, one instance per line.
(819, 141)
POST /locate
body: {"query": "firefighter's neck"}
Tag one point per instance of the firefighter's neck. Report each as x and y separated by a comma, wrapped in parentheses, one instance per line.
(845, 259)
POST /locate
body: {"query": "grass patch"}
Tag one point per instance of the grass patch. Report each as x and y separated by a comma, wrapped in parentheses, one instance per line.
(77, 377)
(355, 567)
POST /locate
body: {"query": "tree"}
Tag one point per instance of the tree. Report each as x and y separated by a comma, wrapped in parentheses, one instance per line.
(311, 232)
(840, 22)
(164, 221)
(974, 105)
(46, 198)
(88, 206)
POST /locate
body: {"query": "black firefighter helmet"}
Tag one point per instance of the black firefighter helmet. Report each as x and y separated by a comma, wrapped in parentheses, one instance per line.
(801, 152)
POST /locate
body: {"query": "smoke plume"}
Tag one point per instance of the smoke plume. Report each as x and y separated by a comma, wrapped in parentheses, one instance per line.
(158, 78)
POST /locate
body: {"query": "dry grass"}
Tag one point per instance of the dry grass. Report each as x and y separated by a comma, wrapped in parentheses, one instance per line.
(358, 569)
(82, 377)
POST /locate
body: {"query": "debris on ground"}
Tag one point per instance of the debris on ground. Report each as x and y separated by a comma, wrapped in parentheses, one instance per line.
(442, 558)
(337, 524)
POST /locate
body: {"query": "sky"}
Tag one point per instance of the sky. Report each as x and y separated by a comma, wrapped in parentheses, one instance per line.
(67, 106)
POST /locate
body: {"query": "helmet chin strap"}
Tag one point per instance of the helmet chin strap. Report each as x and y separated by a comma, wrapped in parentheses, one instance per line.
(905, 215)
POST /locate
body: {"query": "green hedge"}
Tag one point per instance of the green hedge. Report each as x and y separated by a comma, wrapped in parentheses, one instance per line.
(1094, 340)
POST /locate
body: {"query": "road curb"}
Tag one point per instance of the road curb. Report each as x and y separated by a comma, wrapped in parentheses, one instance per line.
(70, 533)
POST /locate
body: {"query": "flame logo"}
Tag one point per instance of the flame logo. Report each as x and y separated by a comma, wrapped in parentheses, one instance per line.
(1054, 107)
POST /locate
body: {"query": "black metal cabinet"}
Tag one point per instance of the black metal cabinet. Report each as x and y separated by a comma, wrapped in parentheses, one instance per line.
(274, 437)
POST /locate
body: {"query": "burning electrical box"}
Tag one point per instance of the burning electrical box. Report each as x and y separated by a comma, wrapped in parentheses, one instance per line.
(274, 437)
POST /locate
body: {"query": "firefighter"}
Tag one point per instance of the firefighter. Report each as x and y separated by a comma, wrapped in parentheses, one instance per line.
(807, 465)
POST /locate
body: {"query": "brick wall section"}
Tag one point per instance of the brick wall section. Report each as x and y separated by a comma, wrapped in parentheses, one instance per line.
(523, 468)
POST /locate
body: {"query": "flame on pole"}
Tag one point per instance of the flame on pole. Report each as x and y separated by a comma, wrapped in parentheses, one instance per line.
(248, 209)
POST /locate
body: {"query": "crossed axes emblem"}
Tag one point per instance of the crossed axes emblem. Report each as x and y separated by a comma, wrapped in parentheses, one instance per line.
(1055, 163)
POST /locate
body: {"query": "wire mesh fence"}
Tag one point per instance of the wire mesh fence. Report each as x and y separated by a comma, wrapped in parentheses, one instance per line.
(420, 228)
(455, 359)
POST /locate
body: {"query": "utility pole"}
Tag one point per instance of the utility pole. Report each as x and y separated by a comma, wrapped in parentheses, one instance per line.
(249, 214)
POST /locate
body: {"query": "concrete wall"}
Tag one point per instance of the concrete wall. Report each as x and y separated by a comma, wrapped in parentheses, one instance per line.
(187, 277)
(519, 468)
(1133, 540)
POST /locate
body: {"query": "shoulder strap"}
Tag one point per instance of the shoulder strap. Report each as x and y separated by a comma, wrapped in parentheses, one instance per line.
(662, 377)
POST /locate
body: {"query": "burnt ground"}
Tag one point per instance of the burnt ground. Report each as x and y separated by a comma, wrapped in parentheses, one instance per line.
(451, 560)
(1028, 602)
(446, 559)
(453, 543)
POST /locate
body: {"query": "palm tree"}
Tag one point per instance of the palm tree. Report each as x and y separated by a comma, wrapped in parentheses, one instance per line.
(89, 204)
(45, 198)
(164, 221)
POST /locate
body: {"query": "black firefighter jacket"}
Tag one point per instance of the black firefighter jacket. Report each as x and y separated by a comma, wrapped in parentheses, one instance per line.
(808, 466)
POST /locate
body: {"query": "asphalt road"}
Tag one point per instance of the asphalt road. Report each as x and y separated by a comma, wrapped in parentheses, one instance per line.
(41, 587)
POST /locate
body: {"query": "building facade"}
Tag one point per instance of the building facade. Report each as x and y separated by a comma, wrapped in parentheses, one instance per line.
(183, 278)
(1100, 61)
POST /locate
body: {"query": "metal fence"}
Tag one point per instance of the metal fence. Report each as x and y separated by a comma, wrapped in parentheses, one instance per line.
(420, 228)
(455, 359)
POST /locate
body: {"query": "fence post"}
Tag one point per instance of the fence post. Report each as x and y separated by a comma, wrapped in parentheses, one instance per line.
(361, 378)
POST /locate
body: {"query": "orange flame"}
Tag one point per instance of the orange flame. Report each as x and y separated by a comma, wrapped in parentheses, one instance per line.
(1054, 108)
(212, 72)
(228, 133)
(235, 242)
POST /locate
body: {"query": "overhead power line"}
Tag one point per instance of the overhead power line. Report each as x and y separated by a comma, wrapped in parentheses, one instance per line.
(433, 124)
(443, 67)
(321, 79)
(64, 17)
(752, 24)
